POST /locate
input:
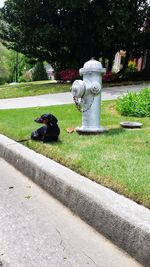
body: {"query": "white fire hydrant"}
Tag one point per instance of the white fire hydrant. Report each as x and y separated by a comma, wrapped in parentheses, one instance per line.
(89, 91)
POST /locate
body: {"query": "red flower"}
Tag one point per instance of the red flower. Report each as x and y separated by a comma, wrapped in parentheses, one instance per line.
(68, 75)
(108, 77)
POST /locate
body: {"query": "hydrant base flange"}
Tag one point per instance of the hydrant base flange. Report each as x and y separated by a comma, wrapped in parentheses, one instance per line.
(91, 131)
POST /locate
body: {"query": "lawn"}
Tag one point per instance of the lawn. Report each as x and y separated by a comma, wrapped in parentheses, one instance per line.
(43, 87)
(32, 88)
(118, 159)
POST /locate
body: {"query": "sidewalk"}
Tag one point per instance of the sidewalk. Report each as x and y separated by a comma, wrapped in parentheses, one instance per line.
(119, 219)
(108, 93)
(49, 234)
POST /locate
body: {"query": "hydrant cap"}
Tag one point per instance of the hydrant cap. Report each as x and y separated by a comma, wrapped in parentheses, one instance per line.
(92, 66)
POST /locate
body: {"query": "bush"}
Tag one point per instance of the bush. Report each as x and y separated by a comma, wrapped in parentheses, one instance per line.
(135, 76)
(68, 75)
(39, 73)
(131, 66)
(135, 104)
(3, 80)
(25, 78)
(109, 77)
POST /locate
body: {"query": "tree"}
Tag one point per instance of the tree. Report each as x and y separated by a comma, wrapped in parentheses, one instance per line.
(125, 23)
(4, 69)
(66, 33)
(57, 31)
(144, 41)
(12, 64)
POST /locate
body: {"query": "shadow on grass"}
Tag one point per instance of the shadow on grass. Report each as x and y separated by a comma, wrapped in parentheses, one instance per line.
(114, 131)
(26, 141)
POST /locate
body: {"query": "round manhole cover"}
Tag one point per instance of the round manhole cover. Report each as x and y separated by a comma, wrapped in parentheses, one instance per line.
(131, 124)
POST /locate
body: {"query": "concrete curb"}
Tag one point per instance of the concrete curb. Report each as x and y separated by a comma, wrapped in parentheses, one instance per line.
(121, 220)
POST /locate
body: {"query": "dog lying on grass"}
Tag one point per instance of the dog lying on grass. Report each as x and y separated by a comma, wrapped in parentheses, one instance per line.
(49, 132)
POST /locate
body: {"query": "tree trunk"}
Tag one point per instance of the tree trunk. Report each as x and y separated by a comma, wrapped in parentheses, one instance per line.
(103, 62)
(110, 63)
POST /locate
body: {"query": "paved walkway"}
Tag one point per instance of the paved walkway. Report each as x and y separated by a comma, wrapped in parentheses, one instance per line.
(108, 93)
(41, 232)
(121, 220)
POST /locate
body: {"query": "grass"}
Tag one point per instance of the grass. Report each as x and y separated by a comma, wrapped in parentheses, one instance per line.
(118, 159)
(43, 87)
(32, 89)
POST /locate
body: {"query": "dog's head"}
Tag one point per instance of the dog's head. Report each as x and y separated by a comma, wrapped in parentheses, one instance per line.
(46, 119)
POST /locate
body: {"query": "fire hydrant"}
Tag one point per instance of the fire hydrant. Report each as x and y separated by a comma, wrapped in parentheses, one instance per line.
(89, 91)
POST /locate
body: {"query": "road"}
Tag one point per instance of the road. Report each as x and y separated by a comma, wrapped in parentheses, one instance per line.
(38, 231)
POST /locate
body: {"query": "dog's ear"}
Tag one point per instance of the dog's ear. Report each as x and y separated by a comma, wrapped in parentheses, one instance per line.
(52, 118)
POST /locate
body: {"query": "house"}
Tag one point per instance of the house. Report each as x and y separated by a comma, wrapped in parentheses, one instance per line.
(50, 72)
(141, 63)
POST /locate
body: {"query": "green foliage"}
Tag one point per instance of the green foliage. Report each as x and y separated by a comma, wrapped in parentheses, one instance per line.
(131, 66)
(12, 65)
(39, 73)
(61, 31)
(4, 67)
(135, 104)
(144, 38)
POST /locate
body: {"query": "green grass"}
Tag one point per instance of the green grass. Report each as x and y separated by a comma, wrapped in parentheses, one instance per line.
(32, 88)
(118, 159)
(42, 87)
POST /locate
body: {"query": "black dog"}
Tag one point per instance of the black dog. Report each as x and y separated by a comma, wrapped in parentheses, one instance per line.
(49, 132)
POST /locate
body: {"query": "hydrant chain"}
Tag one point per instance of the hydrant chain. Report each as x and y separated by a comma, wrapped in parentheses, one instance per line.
(79, 104)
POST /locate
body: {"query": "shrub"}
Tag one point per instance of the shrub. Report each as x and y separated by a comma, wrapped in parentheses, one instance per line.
(135, 76)
(39, 73)
(3, 80)
(109, 77)
(135, 104)
(68, 75)
(131, 66)
(25, 78)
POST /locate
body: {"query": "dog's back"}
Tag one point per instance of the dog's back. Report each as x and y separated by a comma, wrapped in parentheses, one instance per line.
(52, 133)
